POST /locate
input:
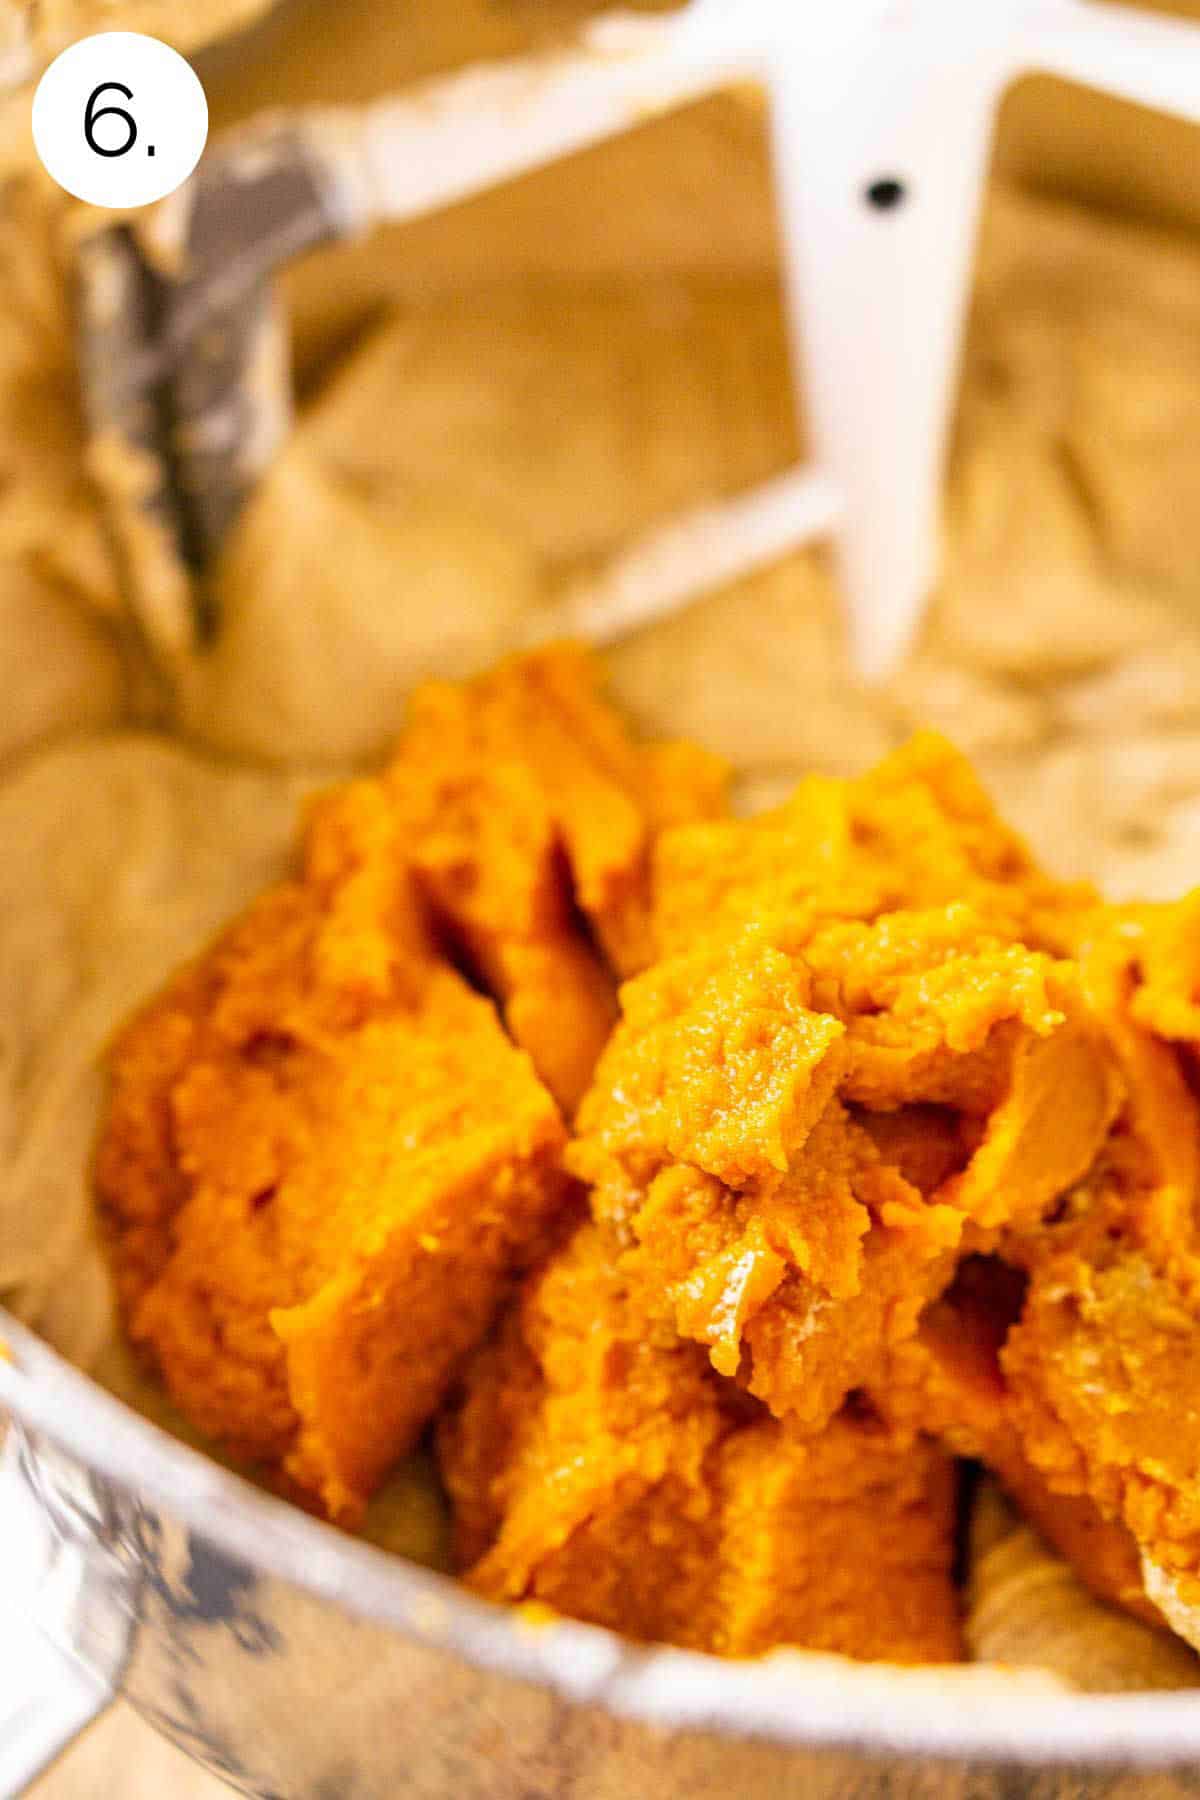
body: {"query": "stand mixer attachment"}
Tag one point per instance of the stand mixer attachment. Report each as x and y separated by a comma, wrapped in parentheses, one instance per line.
(882, 114)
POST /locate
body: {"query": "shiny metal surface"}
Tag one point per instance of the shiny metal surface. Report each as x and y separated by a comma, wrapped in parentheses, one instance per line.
(298, 1663)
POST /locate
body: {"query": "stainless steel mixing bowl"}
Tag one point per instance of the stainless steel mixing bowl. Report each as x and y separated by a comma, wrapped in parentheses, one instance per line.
(302, 1665)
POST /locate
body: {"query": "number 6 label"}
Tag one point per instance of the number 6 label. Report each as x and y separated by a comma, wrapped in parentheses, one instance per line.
(91, 116)
(120, 119)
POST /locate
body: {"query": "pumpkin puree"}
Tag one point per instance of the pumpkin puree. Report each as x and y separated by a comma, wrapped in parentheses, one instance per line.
(885, 1153)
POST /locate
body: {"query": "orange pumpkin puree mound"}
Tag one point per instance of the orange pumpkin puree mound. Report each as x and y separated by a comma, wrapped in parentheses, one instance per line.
(600, 1467)
(885, 1153)
(322, 1159)
(323, 1156)
(1103, 1374)
(879, 1047)
(948, 1380)
(731, 1129)
(529, 815)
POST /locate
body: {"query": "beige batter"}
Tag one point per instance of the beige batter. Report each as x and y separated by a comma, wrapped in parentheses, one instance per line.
(36, 30)
(489, 403)
(32, 32)
(1062, 652)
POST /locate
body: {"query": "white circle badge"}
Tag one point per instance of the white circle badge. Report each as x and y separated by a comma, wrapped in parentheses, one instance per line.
(120, 119)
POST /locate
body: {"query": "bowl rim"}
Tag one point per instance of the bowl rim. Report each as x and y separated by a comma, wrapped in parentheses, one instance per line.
(798, 1699)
